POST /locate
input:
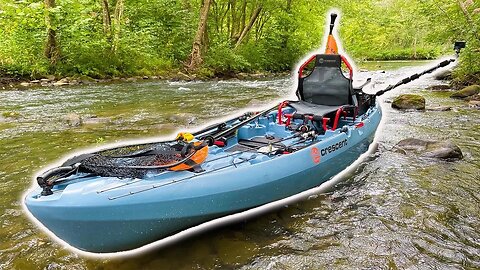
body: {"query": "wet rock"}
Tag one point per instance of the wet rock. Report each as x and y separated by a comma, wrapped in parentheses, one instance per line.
(44, 80)
(443, 75)
(242, 76)
(53, 266)
(35, 81)
(466, 92)
(73, 119)
(63, 81)
(74, 82)
(25, 84)
(431, 149)
(145, 77)
(439, 108)
(83, 79)
(409, 101)
(258, 75)
(473, 98)
(474, 104)
(183, 76)
(439, 87)
(60, 83)
(94, 120)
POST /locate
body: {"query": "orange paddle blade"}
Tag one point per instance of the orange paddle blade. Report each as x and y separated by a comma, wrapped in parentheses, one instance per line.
(332, 47)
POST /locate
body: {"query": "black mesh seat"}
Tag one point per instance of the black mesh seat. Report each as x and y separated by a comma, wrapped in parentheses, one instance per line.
(325, 89)
(303, 107)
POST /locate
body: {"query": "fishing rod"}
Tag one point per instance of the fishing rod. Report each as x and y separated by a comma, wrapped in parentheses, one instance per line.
(210, 139)
(459, 45)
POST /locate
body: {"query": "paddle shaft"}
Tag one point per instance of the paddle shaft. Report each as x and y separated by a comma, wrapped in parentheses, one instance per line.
(414, 77)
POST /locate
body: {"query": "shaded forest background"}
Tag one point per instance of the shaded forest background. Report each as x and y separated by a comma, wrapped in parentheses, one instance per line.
(105, 38)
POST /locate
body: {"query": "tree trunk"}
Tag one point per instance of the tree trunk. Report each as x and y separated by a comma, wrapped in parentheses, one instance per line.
(107, 22)
(195, 58)
(244, 17)
(238, 23)
(52, 51)
(117, 25)
(233, 13)
(247, 28)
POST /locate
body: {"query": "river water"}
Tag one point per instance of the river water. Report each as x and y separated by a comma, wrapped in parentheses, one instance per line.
(393, 211)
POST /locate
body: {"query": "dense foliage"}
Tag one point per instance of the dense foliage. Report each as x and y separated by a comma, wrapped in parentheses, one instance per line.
(139, 37)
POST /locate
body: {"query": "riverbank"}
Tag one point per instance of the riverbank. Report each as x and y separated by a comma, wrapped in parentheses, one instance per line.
(177, 75)
(52, 80)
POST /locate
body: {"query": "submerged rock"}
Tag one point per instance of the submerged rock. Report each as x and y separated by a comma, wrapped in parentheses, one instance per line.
(12, 114)
(439, 108)
(73, 119)
(166, 126)
(409, 101)
(439, 87)
(466, 92)
(431, 149)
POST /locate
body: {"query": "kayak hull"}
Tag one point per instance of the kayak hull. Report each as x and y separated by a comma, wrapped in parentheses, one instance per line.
(102, 216)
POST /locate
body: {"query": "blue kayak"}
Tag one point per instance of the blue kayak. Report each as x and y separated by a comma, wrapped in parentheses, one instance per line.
(109, 214)
(126, 198)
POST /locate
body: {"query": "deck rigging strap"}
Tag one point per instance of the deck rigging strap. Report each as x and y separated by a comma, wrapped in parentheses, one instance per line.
(133, 161)
(233, 164)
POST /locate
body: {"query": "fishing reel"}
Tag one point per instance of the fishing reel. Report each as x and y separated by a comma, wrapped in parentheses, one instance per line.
(310, 135)
(220, 142)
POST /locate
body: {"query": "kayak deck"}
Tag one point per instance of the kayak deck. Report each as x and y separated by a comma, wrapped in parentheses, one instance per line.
(254, 143)
(110, 214)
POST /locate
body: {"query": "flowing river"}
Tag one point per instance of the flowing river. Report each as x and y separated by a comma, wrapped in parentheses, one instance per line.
(392, 211)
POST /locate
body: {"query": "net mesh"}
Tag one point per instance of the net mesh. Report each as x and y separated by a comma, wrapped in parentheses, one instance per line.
(121, 161)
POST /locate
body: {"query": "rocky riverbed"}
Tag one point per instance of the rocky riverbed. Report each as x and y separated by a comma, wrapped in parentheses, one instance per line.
(398, 209)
